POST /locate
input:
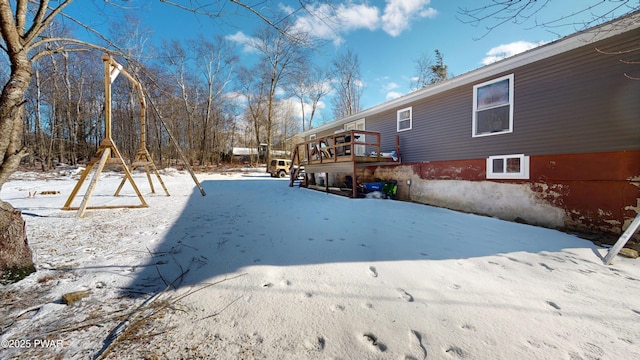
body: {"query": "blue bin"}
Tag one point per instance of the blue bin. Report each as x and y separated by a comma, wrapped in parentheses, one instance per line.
(373, 186)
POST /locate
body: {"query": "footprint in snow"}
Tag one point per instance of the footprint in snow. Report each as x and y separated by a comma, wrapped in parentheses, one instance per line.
(456, 351)
(553, 305)
(405, 295)
(546, 266)
(373, 341)
(316, 344)
(416, 346)
(469, 327)
(372, 271)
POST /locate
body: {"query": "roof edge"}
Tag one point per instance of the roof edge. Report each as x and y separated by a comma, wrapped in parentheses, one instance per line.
(570, 42)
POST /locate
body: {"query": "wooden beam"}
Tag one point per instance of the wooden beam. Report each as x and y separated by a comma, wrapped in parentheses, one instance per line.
(106, 153)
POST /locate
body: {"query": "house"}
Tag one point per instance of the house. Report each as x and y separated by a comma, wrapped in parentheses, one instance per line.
(549, 137)
(243, 154)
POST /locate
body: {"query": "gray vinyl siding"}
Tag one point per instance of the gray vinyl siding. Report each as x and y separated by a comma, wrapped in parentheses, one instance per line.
(577, 102)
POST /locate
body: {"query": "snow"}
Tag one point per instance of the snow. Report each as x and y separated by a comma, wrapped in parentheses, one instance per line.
(258, 270)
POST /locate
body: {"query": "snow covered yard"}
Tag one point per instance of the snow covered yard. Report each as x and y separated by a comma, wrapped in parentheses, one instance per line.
(258, 270)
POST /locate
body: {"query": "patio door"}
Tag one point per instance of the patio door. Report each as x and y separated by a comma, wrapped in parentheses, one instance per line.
(357, 125)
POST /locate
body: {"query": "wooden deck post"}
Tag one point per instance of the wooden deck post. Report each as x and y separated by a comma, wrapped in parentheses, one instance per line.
(354, 185)
(326, 182)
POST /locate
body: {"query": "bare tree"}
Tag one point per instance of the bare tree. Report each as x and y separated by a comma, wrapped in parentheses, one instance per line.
(429, 72)
(254, 89)
(347, 84)
(308, 85)
(215, 61)
(279, 55)
(176, 58)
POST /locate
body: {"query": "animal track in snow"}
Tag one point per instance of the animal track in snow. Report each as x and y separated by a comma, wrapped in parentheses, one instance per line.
(405, 295)
(372, 271)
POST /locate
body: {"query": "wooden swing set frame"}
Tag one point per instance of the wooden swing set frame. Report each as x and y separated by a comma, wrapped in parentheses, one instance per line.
(108, 152)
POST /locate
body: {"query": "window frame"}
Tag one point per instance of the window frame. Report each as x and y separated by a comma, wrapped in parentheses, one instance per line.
(410, 119)
(474, 121)
(523, 174)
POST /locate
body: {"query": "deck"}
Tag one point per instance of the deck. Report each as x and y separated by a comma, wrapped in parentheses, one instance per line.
(342, 152)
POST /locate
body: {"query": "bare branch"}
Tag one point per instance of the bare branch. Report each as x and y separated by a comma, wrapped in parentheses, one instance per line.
(500, 12)
(21, 16)
(197, 11)
(38, 26)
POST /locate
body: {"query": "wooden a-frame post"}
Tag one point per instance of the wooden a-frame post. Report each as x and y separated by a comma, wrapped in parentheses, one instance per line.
(107, 152)
(142, 158)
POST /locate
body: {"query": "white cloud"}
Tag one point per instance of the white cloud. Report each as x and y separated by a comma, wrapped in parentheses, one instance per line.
(390, 86)
(358, 16)
(327, 22)
(248, 42)
(506, 50)
(393, 95)
(236, 97)
(398, 14)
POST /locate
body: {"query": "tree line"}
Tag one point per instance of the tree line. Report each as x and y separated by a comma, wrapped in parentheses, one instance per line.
(198, 89)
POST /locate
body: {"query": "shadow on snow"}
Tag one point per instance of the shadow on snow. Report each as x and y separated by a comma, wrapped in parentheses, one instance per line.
(242, 223)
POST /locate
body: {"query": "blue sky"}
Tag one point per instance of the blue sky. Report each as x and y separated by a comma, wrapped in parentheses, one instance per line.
(387, 35)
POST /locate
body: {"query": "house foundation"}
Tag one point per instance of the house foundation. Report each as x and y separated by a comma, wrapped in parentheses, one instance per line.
(596, 195)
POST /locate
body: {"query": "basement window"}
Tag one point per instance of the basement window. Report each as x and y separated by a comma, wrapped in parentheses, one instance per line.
(404, 119)
(493, 107)
(508, 167)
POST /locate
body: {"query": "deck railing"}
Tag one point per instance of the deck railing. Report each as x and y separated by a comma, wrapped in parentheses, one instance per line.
(352, 145)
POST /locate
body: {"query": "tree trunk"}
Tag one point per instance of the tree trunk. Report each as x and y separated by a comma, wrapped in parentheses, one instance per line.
(15, 255)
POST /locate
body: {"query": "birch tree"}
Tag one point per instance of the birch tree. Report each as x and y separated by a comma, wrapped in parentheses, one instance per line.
(347, 84)
(279, 55)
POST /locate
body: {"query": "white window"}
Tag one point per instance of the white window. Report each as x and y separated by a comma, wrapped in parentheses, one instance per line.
(404, 119)
(493, 107)
(508, 167)
(312, 137)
